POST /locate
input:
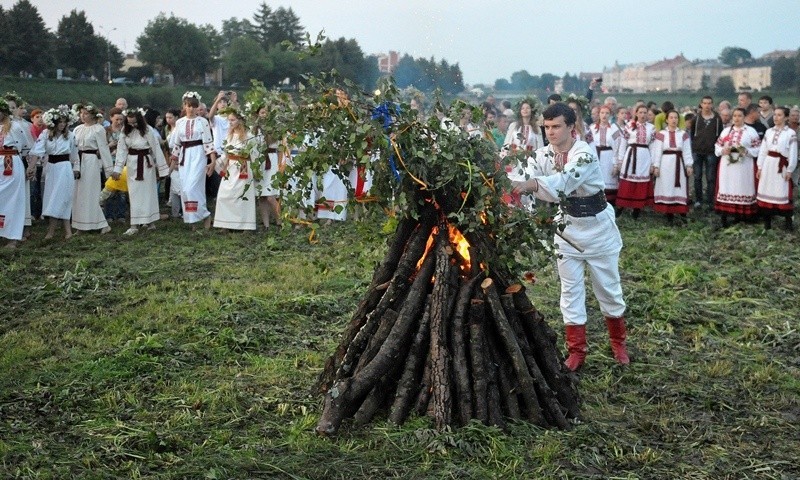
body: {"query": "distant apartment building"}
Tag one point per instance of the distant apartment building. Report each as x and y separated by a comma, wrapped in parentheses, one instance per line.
(388, 62)
(680, 74)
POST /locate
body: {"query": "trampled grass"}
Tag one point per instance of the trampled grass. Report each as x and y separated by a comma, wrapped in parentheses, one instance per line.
(181, 355)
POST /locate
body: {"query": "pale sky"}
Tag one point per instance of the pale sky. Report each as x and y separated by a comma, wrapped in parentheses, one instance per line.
(488, 39)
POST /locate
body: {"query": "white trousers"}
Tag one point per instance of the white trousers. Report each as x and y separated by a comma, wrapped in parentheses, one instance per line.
(607, 287)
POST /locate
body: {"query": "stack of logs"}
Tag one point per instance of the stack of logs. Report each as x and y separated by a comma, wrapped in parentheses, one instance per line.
(438, 335)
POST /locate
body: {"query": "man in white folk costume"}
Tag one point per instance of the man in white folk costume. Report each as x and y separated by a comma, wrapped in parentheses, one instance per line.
(591, 238)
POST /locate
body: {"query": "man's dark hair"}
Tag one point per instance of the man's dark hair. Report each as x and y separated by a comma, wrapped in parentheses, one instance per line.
(746, 94)
(767, 98)
(707, 97)
(751, 108)
(554, 98)
(560, 109)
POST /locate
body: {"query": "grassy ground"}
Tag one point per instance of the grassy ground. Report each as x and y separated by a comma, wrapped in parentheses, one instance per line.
(180, 355)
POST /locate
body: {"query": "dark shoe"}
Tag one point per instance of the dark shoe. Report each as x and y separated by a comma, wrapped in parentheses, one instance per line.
(636, 212)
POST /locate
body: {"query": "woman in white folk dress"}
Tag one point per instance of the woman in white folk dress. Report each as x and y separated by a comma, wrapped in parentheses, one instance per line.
(777, 159)
(606, 136)
(236, 200)
(140, 151)
(268, 207)
(737, 147)
(56, 146)
(94, 156)
(633, 164)
(672, 167)
(192, 141)
(15, 143)
(522, 136)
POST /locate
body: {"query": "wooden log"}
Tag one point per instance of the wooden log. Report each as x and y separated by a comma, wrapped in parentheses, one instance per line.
(526, 384)
(507, 384)
(549, 359)
(425, 389)
(378, 397)
(402, 278)
(375, 342)
(478, 360)
(458, 335)
(440, 352)
(380, 278)
(494, 403)
(408, 385)
(346, 395)
(553, 411)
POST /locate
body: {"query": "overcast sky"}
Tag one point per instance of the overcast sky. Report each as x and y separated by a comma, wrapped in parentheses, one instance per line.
(488, 39)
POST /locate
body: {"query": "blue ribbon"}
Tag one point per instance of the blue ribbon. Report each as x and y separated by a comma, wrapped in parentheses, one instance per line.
(383, 113)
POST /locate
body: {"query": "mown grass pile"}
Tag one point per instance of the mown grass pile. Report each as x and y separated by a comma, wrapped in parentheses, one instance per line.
(180, 355)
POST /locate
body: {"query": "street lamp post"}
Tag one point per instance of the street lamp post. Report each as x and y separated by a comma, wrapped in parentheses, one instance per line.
(108, 51)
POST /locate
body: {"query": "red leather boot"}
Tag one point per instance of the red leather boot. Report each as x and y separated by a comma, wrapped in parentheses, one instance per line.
(617, 335)
(576, 346)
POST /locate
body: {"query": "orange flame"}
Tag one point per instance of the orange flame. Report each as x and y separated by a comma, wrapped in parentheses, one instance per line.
(458, 242)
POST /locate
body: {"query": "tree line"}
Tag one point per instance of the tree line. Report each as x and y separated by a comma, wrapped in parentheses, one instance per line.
(261, 47)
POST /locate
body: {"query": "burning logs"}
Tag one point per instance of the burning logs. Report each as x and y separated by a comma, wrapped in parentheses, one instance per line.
(437, 334)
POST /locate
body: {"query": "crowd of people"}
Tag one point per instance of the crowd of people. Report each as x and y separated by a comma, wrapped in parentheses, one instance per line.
(128, 165)
(741, 160)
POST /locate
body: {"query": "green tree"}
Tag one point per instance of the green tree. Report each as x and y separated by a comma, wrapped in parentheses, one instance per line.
(261, 25)
(234, 28)
(547, 82)
(176, 45)
(284, 26)
(734, 55)
(246, 60)
(725, 87)
(29, 41)
(522, 81)
(501, 84)
(783, 74)
(407, 73)
(286, 65)
(77, 47)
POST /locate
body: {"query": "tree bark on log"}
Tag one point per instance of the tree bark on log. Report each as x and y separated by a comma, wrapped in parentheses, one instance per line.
(409, 383)
(440, 353)
(458, 335)
(345, 393)
(478, 358)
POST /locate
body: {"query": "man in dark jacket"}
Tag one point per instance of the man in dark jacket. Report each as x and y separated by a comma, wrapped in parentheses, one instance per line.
(704, 133)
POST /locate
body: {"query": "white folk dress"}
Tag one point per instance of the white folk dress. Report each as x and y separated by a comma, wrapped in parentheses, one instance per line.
(672, 155)
(736, 180)
(597, 235)
(634, 159)
(269, 167)
(333, 195)
(93, 157)
(15, 145)
(191, 141)
(60, 155)
(145, 161)
(236, 200)
(778, 154)
(606, 143)
(521, 138)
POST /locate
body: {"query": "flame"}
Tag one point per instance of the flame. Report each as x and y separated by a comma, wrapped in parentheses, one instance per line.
(457, 241)
(484, 218)
(460, 243)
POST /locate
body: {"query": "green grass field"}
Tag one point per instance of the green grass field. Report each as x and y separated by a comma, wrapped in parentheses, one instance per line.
(177, 355)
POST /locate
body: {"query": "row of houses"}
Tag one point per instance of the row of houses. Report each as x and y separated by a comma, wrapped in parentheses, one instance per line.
(680, 74)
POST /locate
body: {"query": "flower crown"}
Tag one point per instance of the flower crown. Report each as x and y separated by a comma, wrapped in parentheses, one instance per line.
(536, 106)
(131, 112)
(52, 116)
(14, 97)
(192, 95)
(89, 107)
(232, 110)
(579, 99)
(4, 108)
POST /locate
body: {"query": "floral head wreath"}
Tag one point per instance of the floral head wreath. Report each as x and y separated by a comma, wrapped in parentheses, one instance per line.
(232, 110)
(4, 108)
(89, 107)
(52, 116)
(536, 106)
(579, 99)
(131, 112)
(14, 97)
(192, 95)
(251, 108)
